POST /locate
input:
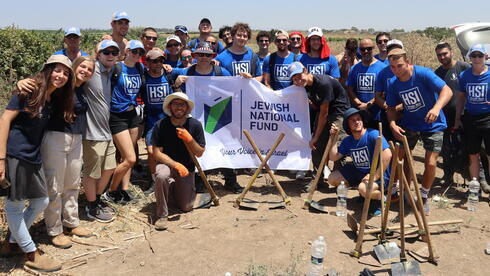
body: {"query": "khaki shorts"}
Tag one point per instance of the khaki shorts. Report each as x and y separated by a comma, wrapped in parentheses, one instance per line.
(98, 156)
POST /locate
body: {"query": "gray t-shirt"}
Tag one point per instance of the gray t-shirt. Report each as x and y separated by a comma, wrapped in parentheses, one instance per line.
(450, 76)
(98, 93)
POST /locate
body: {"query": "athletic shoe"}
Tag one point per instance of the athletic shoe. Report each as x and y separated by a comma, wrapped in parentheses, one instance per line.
(127, 197)
(233, 187)
(113, 197)
(161, 224)
(151, 189)
(300, 175)
(375, 208)
(100, 215)
(105, 207)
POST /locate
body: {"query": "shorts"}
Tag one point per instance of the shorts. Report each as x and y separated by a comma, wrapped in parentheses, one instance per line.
(123, 121)
(476, 131)
(354, 176)
(98, 156)
(432, 140)
(148, 135)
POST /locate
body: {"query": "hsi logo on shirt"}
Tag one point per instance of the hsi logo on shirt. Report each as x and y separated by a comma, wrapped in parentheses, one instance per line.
(477, 92)
(281, 72)
(365, 82)
(132, 83)
(360, 157)
(412, 99)
(319, 69)
(157, 92)
(240, 67)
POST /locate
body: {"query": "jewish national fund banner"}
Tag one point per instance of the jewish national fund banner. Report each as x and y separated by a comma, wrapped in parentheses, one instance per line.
(227, 105)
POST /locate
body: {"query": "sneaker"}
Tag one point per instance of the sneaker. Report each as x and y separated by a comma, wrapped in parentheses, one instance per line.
(300, 175)
(151, 188)
(306, 188)
(105, 207)
(233, 187)
(161, 224)
(113, 197)
(375, 208)
(61, 241)
(41, 262)
(100, 215)
(127, 197)
(77, 231)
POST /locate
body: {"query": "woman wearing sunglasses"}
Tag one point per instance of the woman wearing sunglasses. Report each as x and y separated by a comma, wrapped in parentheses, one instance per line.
(124, 120)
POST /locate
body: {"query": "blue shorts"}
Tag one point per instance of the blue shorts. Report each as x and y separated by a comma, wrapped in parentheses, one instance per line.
(354, 176)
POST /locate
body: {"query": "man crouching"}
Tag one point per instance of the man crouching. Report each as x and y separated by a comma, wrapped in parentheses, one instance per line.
(175, 169)
(359, 145)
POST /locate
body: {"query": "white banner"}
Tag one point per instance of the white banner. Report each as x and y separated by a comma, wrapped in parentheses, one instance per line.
(227, 105)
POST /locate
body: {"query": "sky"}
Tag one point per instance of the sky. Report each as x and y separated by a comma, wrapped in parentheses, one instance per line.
(382, 15)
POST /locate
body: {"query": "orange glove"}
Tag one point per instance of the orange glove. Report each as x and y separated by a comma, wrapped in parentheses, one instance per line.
(181, 169)
(183, 134)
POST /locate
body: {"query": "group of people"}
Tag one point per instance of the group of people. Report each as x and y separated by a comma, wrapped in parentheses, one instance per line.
(92, 110)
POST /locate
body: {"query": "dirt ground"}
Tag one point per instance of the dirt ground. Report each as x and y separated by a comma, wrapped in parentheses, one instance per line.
(264, 242)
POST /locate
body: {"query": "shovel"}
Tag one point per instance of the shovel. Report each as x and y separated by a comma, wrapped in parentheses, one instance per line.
(203, 201)
(403, 267)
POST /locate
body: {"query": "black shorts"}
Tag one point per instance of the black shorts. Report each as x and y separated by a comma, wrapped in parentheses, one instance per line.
(124, 120)
(476, 130)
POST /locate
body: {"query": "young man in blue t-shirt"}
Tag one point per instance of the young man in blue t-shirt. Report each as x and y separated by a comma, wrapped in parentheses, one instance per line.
(359, 145)
(318, 58)
(474, 98)
(238, 59)
(382, 40)
(205, 29)
(72, 42)
(275, 67)
(361, 82)
(423, 95)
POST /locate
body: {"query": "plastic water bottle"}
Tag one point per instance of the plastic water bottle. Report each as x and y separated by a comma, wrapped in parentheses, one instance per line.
(473, 199)
(318, 251)
(341, 200)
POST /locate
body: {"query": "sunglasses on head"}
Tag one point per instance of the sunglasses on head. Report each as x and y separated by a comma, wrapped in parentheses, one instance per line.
(295, 38)
(138, 52)
(204, 55)
(369, 49)
(477, 55)
(185, 58)
(109, 52)
(172, 45)
(152, 38)
(382, 41)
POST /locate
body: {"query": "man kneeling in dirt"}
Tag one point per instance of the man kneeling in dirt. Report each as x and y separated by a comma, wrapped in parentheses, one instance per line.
(359, 145)
(175, 170)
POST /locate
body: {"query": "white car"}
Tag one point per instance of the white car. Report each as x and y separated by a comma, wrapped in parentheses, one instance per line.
(468, 34)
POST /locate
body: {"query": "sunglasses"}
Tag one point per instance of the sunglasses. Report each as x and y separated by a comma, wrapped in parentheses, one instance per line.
(204, 55)
(152, 38)
(185, 58)
(382, 41)
(369, 49)
(263, 40)
(212, 43)
(138, 52)
(108, 52)
(158, 60)
(281, 40)
(295, 38)
(173, 45)
(179, 104)
(476, 56)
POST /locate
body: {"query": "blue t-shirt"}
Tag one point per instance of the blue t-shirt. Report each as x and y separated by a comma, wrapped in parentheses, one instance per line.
(362, 151)
(26, 133)
(418, 95)
(242, 63)
(319, 66)
(363, 81)
(191, 43)
(126, 88)
(63, 52)
(385, 61)
(279, 79)
(383, 78)
(174, 64)
(476, 91)
(156, 89)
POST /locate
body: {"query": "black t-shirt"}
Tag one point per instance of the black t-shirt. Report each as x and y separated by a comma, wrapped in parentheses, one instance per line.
(26, 133)
(165, 136)
(57, 121)
(450, 76)
(327, 89)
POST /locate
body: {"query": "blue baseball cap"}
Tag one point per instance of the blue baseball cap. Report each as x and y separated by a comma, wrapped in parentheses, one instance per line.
(351, 111)
(295, 68)
(72, 30)
(181, 28)
(135, 44)
(107, 43)
(120, 15)
(477, 48)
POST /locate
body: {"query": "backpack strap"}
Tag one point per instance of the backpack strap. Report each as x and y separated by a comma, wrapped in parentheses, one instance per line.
(272, 61)
(115, 75)
(253, 67)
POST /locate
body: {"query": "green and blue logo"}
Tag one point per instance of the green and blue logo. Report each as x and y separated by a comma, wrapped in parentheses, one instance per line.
(218, 115)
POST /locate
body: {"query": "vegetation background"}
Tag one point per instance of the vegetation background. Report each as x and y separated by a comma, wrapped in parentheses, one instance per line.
(23, 51)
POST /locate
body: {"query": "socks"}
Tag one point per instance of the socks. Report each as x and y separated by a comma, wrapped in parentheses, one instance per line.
(424, 192)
